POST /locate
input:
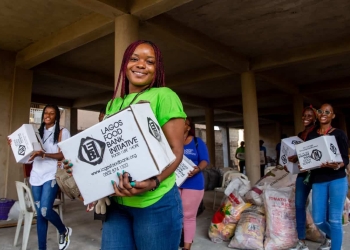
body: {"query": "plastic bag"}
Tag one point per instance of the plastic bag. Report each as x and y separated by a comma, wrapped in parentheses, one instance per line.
(280, 218)
(250, 229)
(241, 184)
(14, 212)
(277, 177)
(312, 232)
(225, 219)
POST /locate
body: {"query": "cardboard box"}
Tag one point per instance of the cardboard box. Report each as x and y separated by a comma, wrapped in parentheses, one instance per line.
(25, 141)
(130, 140)
(183, 169)
(288, 149)
(241, 156)
(313, 153)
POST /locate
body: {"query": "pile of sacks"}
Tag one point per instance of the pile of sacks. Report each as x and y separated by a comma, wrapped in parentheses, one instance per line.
(261, 217)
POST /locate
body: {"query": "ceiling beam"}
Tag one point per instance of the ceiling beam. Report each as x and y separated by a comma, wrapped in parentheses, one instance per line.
(143, 9)
(301, 54)
(44, 99)
(77, 76)
(340, 103)
(237, 100)
(326, 86)
(218, 117)
(193, 100)
(279, 82)
(197, 43)
(108, 8)
(146, 9)
(87, 101)
(85, 30)
(276, 110)
(197, 75)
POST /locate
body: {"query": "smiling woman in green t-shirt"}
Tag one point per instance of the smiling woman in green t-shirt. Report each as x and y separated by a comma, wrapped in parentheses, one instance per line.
(147, 214)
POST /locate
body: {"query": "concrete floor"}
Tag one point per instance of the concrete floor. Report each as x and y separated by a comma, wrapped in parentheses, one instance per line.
(87, 234)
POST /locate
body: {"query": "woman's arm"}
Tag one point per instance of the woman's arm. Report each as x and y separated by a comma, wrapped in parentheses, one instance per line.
(173, 131)
(57, 156)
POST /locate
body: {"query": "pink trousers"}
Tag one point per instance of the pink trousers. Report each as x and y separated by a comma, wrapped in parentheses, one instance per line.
(190, 202)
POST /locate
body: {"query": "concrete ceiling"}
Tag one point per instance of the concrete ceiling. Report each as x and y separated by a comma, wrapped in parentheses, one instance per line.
(295, 47)
(23, 22)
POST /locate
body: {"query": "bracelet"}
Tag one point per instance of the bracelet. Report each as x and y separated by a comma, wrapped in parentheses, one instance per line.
(199, 169)
(43, 156)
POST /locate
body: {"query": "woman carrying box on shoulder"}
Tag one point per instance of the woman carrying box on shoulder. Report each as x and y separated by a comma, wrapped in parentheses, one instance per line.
(146, 214)
(329, 183)
(192, 190)
(302, 189)
(42, 177)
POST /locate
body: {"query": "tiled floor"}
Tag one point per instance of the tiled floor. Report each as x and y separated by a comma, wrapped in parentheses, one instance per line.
(86, 231)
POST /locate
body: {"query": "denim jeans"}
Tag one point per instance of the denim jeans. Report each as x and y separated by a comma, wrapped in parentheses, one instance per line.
(302, 191)
(44, 197)
(330, 196)
(156, 227)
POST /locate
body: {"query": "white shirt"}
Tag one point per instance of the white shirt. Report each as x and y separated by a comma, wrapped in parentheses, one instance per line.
(45, 169)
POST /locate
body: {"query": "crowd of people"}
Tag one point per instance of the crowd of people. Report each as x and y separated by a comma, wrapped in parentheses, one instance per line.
(141, 211)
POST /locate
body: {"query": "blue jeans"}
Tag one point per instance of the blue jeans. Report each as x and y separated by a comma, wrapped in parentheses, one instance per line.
(44, 197)
(157, 227)
(330, 196)
(302, 191)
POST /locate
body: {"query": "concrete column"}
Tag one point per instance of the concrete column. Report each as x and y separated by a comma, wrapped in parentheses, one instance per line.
(209, 122)
(342, 123)
(67, 121)
(298, 106)
(225, 145)
(126, 32)
(73, 121)
(15, 97)
(251, 126)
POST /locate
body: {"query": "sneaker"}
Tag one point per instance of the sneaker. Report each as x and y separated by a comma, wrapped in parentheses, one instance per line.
(64, 239)
(300, 246)
(326, 245)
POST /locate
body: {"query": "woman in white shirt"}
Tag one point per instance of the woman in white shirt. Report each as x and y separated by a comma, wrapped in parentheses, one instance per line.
(42, 177)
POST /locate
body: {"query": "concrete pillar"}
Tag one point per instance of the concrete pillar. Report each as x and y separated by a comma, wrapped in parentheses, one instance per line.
(67, 115)
(126, 32)
(298, 106)
(342, 123)
(225, 132)
(209, 122)
(251, 126)
(73, 121)
(15, 97)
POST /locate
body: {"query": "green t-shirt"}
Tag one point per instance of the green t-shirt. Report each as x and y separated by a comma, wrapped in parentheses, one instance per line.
(240, 150)
(165, 105)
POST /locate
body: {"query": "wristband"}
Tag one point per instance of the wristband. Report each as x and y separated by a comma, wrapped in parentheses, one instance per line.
(43, 156)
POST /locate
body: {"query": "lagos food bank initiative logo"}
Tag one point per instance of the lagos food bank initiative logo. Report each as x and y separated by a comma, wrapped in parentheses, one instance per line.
(316, 155)
(284, 159)
(333, 149)
(21, 149)
(154, 129)
(294, 142)
(91, 150)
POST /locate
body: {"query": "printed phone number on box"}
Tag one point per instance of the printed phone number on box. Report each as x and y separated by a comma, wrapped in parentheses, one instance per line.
(113, 167)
